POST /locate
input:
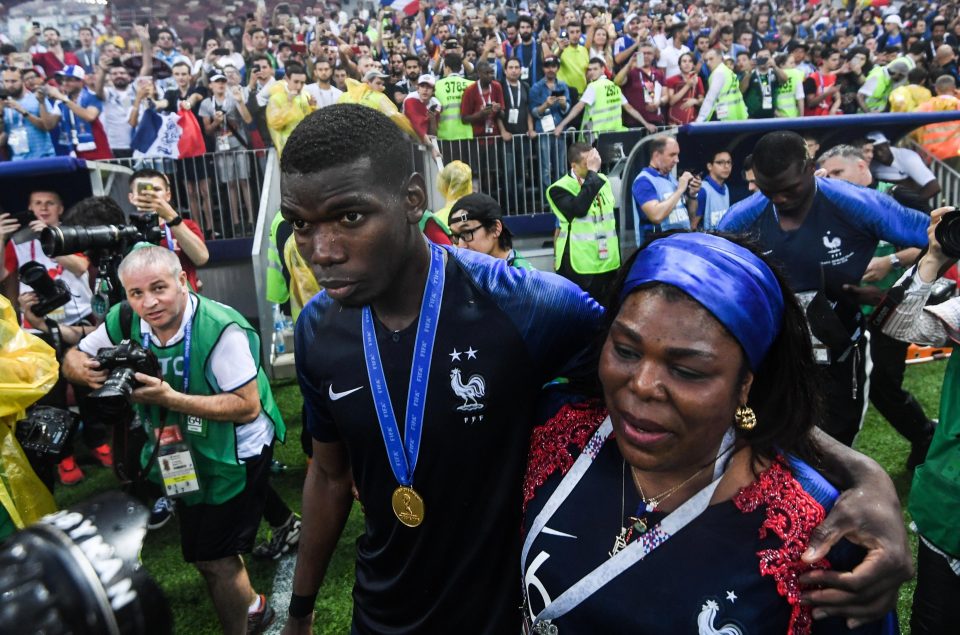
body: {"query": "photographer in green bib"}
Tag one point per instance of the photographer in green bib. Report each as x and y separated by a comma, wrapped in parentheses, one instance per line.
(210, 410)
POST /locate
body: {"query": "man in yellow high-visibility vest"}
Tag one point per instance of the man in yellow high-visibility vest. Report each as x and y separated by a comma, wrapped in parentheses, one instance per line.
(604, 103)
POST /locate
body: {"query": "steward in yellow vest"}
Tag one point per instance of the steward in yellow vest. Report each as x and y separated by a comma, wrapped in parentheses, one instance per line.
(728, 103)
(449, 92)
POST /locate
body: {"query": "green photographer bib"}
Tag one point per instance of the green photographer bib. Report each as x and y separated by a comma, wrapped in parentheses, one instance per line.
(212, 443)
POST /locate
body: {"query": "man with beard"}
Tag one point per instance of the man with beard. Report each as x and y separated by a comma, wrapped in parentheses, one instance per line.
(80, 133)
(323, 93)
(407, 85)
(26, 120)
(528, 52)
(474, 340)
(55, 57)
(825, 233)
(119, 95)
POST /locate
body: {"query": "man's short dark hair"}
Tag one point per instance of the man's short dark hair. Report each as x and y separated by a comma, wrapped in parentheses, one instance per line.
(713, 155)
(918, 47)
(513, 58)
(576, 151)
(257, 30)
(260, 57)
(50, 28)
(597, 60)
(779, 151)
(295, 69)
(85, 28)
(748, 162)
(525, 18)
(411, 58)
(917, 75)
(94, 210)
(453, 61)
(182, 63)
(344, 133)
(149, 173)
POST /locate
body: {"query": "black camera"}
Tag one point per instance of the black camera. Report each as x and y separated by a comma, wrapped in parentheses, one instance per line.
(122, 362)
(59, 241)
(78, 571)
(947, 232)
(52, 294)
(46, 430)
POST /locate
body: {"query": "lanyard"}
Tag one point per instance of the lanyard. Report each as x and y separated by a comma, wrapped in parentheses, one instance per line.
(169, 233)
(533, 54)
(403, 454)
(489, 99)
(514, 103)
(187, 339)
(632, 553)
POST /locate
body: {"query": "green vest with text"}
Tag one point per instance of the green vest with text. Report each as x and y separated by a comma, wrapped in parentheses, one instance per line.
(584, 234)
(605, 113)
(277, 290)
(877, 101)
(449, 92)
(786, 97)
(935, 493)
(213, 444)
(729, 105)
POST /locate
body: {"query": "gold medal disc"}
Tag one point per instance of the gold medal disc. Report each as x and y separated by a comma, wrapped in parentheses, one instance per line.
(408, 506)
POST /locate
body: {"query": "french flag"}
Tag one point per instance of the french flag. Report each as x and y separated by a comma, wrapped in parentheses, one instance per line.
(160, 135)
(409, 7)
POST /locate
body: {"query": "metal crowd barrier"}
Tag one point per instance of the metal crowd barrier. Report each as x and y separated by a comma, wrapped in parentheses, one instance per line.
(518, 172)
(220, 191)
(947, 176)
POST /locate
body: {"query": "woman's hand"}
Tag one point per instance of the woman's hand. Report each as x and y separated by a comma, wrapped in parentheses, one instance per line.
(934, 261)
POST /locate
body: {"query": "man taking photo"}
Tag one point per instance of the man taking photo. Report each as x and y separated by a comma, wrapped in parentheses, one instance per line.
(213, 413)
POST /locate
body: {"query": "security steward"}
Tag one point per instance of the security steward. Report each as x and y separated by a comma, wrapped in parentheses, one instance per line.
(213, 413)
(587, 250)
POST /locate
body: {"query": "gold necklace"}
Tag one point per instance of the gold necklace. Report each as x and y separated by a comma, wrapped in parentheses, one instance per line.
(654, 502)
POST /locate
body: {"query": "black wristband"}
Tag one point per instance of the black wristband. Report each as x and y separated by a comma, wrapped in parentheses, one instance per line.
(175, 221)
(301, 605)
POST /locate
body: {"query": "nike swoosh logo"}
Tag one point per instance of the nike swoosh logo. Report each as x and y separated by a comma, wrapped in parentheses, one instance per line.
(554, 532)
(334, 396)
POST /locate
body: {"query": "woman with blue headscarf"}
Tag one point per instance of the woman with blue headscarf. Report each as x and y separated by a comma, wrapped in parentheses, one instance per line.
(681, 503)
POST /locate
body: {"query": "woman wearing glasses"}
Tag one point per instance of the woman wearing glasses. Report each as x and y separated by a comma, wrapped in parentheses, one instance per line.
(476, 223)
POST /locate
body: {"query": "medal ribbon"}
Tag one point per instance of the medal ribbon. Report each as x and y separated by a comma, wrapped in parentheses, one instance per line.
(403, 455)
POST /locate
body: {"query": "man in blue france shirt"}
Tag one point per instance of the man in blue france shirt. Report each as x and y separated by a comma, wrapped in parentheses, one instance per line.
(824, 232)
(661, 201)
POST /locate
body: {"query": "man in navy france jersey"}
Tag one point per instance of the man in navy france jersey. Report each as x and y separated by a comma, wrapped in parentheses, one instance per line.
(439, 474)
(824, 232)
(477, 417)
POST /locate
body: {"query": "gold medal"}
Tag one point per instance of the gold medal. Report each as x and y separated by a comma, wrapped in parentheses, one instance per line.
(407, 505)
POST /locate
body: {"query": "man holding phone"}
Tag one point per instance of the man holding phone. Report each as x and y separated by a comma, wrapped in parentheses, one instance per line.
(150, 192)
(759, 84)
(27, 120)
(549, 103)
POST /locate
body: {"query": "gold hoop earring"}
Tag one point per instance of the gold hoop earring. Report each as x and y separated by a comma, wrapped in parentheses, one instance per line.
(745, 417)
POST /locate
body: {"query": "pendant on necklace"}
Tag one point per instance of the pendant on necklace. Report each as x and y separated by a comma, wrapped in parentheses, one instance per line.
(639, 525)
(620, 542)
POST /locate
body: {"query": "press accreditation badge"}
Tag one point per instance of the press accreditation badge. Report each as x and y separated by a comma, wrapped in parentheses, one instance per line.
(602, 248)
(223, 143)
(176, 463)
(513, 116)
(524, 73)
(547, 123)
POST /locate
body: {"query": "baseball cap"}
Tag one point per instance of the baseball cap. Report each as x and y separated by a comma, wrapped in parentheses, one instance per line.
(893, 19)
(771, 37)
(217, 76)
(426, 78)
(551, 61)
(877, 137)
(72, 70)
(374, 73)
(476, 206)
(631, 17)
(451, 43)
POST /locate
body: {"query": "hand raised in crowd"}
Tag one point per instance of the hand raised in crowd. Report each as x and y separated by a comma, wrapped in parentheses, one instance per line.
(593, 160)
(152, 201)
(8, 227)
(143, 90)
(55, 93)
(143, 33)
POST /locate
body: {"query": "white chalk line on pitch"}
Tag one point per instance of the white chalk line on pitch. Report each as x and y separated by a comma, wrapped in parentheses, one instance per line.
(282, 589)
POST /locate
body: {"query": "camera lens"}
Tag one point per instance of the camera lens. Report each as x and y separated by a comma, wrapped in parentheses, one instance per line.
(78, 571)
(114, 396)
(947, 233)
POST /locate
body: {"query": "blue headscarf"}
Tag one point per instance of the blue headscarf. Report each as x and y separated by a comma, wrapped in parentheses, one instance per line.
(736, 286)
